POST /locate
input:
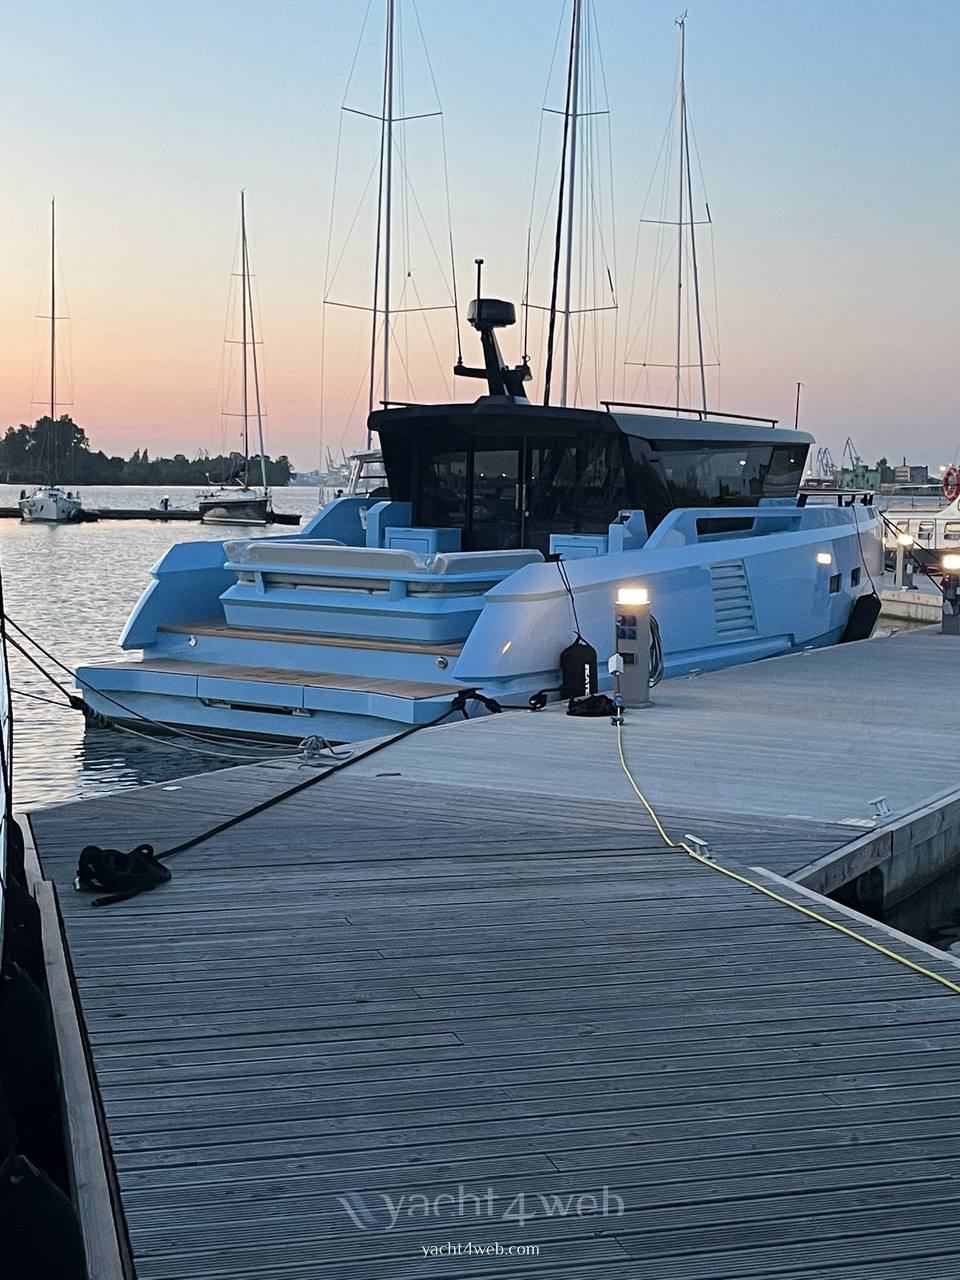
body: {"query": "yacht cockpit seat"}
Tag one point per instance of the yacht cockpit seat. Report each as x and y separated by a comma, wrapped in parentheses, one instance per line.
(323, 563)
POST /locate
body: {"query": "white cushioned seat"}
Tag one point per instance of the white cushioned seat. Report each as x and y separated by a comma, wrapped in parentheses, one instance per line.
(496, 563)
(327, 565)
(323, 554)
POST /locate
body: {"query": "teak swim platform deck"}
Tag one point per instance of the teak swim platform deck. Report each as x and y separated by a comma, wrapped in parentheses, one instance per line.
(414, 982)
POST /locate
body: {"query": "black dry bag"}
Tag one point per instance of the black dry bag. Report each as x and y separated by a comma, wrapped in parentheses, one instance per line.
(578, 670)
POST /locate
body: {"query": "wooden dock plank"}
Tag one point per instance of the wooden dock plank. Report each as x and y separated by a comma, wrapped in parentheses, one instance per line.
(393, 986)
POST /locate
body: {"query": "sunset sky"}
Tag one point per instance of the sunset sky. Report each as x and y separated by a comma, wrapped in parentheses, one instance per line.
(827, 131)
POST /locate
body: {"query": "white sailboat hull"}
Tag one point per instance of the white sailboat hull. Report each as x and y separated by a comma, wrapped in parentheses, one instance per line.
(50, 504)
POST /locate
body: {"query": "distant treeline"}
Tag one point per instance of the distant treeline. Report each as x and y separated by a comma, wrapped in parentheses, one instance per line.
(60, 451)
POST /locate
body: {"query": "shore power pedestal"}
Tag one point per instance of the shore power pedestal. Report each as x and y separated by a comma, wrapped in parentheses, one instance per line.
(632, 646)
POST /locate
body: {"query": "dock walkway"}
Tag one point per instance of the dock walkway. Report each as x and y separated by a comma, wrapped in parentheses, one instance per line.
(468, 970)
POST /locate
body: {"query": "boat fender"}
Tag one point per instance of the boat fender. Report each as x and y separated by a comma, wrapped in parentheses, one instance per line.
(16, 865)
(863, 618)
(23, 936)
(29, 1075)
(123, 875)
(578, 670)
(39, 1233)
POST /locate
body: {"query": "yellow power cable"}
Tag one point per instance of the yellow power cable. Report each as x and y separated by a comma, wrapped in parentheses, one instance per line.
(770, 893)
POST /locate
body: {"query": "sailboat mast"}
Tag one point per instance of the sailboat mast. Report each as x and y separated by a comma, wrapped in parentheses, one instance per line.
(680, 220)
(558, 235)
(248, 286)
(384, 219)
(690, 214)
(53, 341)
(571, 195)
(388, 212)
(53, 309)
(244, 281)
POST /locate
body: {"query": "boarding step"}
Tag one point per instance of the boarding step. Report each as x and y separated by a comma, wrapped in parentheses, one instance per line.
(225, 632)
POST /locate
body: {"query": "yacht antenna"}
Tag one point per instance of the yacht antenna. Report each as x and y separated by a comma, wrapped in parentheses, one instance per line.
(574, 99)
(384, 218)
(253, 351)
(796, 412)
(244, 282)
(573, 62)
(685, 211)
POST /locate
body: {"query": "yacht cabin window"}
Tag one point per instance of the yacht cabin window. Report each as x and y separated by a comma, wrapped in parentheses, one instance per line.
(506, 487)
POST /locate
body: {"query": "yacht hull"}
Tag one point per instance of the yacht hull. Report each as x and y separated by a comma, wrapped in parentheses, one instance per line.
(239, 640)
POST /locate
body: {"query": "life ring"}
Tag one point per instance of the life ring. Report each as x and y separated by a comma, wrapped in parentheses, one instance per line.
(951, 484)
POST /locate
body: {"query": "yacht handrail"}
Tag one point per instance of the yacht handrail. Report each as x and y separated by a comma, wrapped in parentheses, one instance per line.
(702, 414)
(865, 496)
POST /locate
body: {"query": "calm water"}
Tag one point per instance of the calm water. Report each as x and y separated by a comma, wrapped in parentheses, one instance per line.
(72, 588)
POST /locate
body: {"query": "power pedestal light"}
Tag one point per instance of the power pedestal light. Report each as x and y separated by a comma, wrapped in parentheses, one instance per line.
(632, 646)
(903, 571)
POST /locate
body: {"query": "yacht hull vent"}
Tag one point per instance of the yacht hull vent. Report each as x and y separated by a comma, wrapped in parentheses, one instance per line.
(732, 601)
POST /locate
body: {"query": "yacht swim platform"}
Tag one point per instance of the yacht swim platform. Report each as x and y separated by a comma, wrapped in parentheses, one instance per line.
(213, 679)
(470, 963)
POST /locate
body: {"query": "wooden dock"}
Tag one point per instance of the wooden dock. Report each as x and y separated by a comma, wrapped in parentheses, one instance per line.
(467, 971)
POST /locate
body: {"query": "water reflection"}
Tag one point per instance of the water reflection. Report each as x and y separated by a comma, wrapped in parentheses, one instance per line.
(932, 915)
(72, 587)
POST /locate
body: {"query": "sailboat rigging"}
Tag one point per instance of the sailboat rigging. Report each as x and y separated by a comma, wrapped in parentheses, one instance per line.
(582, 291)
(406, 265)
(236, 501)
(689, 331)
(48, 502)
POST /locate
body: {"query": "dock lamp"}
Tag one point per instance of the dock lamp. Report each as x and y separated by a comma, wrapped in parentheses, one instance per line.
(630, 662)
(950, 586)
(903, 571)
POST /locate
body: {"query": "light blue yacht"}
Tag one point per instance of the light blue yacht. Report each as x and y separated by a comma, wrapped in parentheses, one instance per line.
(373, 614)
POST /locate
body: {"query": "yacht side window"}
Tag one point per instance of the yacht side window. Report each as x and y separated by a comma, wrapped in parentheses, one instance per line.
(724, 475)
(951, 531)
(925, 532)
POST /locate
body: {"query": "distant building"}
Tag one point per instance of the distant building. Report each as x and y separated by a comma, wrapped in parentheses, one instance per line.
(906, 474)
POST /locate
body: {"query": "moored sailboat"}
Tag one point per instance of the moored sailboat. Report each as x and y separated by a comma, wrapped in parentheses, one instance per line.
(48, 502)
(236, 500)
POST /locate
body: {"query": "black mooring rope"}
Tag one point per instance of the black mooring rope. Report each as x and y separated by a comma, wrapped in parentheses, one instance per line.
(135, 884)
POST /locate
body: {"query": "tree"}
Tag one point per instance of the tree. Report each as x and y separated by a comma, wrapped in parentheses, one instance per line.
(28, 454)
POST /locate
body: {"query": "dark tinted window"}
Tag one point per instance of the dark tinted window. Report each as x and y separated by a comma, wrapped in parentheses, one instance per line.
(444, 492)
(785, 475)
(730, 474)
(678, 473)
(602, 482)
(496, 498)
